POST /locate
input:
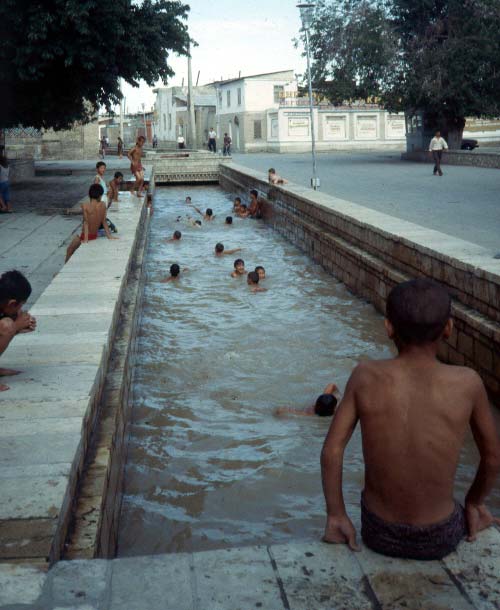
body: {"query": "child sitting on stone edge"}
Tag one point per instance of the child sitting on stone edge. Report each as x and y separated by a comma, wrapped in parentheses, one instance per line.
(14, 292)
(414, 412)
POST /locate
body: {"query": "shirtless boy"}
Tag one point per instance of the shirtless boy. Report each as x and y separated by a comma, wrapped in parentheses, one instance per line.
(274, 178)
(414, 412)
(255, 207)
(188, 200)
(243, 211)
(209, 214)
(94, 216)
(174, 274)
(114, 188)
(323, 407)
(237, 204)
(175, 237)
(239, 268)
(229, 220)
(253, 282)
(135, 156)
(261, 271)
(219, 250)
(14, 292)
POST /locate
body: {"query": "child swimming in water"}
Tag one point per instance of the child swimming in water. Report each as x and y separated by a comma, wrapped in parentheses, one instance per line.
(219, 250)
(323, 407)
(239, 268)
(175, 237)
(237, 204)
(261, 271)
(229, 220)
(253, 282)
(208, 216)
(175, 271)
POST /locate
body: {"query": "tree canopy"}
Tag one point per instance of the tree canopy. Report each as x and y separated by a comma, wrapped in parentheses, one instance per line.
(60, 60)
(441, 57)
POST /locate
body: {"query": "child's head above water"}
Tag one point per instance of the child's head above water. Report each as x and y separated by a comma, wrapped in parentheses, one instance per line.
(209, 212)
(253, 278)
(418, 312)
(14, 292)
(219, 248)
(239, 265)
(174, 270)
(188, 199)
(237, 201)
(229, 220)
(325, 405)
(261, 271)
(96, 191)
(177, 235)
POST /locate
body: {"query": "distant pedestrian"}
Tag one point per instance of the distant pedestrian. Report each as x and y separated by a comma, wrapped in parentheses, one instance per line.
(106, 139)
(227, 145)
(120, 147)
(436, 147)
(212, 141)
(102, 147)
(180, 142)
(155, 141)
(5, 205)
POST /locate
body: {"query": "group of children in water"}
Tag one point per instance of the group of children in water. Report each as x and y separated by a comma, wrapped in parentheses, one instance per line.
(414, 412)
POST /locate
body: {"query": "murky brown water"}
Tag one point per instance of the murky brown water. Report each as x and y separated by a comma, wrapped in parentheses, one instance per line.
(209, 465)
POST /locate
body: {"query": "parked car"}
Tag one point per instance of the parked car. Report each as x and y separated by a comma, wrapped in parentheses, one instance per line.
(469, 144)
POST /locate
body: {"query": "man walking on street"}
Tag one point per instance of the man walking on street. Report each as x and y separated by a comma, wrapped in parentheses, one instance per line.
(436, 147)
(212, 145)
(227, 145)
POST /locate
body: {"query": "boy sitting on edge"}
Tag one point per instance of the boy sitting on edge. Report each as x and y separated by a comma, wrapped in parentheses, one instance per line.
(219, 250)
(94, 216)
(253, 281)
(323, 407)
(114, 188)
(239, 268)
(274, 178)
(414, 412)
(14, 292)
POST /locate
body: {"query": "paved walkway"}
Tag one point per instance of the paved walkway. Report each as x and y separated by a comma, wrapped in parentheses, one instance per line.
(464, 203)
(295, 576)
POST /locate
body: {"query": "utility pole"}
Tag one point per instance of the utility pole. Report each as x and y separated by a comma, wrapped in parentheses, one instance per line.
(122, 108)
(190, 104)
(143, 105)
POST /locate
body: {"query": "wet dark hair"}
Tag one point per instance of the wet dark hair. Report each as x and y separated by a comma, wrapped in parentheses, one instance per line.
(238, 261)
(14, 286)
(177, 234)
(96, 191)
(259, 267)
(209, 212)
(244, 206)
(418, 310)
(254, 192)
(100, 164)
(229, 220)
(188, 197)
(118, 175)
(253, 276)
(219, 247)
(197, 222)
(325, 405)
(271, 170)
(174, 270)
(237, 199)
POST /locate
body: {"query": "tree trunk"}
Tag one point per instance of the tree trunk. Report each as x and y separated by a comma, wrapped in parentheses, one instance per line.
(454, 132)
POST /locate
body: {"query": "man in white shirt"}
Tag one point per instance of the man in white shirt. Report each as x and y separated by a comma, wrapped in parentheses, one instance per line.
(180, 141)
(436, 147)
(211, 140)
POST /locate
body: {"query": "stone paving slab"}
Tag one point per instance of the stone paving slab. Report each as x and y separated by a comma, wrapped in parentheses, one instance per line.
(303, 575)
(44, 414)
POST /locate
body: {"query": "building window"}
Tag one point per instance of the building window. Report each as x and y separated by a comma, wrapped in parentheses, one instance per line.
(170, 121)
(257, 130)
(228, 95)
(220, 97)
(278, 93)
(239, 96)
(164, 122)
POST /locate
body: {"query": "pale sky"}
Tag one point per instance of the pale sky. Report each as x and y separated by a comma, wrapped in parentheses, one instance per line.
(252, 36)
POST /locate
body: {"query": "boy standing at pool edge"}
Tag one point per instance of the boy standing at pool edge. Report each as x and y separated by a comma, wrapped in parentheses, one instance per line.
(414, 412)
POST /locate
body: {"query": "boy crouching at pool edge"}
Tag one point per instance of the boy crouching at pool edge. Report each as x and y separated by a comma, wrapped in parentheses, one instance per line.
(414, 412)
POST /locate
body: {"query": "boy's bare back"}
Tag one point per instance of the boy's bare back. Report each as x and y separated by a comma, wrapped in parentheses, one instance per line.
(94, 213)
(412, 434)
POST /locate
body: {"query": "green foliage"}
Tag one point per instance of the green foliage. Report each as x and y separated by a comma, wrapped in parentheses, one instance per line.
(440, 56)
(60, 60)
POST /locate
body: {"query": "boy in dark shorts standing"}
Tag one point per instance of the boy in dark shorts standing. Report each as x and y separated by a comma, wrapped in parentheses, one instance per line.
(414, 412)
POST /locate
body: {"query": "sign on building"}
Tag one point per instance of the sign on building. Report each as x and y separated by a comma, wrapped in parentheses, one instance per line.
(298, 126)
(366, 127)
(336, 127)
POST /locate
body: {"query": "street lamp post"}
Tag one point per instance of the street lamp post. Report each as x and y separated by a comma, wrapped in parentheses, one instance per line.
(145, 124)
(306, 15)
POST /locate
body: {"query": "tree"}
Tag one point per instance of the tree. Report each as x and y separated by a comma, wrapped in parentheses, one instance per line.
(60, 60)
(441, 57)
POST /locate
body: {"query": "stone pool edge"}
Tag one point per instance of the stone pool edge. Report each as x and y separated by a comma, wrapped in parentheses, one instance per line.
(370, 252)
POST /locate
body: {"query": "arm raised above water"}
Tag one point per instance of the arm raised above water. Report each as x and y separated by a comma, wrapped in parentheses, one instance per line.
(339, 528)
